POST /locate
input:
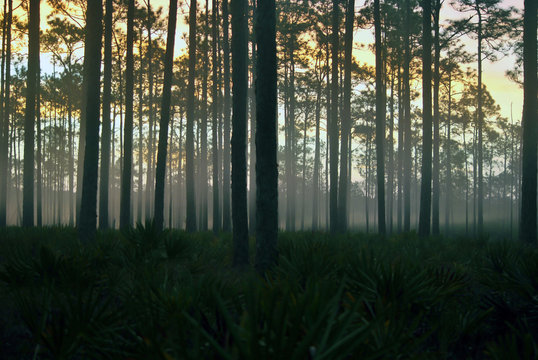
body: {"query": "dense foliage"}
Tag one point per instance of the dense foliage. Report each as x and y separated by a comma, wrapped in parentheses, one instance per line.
(149, 295)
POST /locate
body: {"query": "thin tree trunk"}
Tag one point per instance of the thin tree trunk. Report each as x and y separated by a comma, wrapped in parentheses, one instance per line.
(436, 119)
(226, 161)
(189, 171)
(380, 122)
(165, 116)
(203, 127)
(407, 120)
(333, 124)
(425, 188)
(151, 119)
(214, 126)
(105, 141)
(480, 129)
(346, 118)
(527, 231)
(125, 202)
(29, 118)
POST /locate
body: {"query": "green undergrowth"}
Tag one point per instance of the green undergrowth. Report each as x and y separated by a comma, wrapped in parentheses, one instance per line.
(143, 294)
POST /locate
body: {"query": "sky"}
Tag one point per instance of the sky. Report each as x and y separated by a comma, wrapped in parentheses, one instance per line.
(504, 91)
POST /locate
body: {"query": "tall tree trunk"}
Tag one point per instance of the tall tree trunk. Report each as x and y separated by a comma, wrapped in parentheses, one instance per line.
(140, 127)
(436, 119)
(400, 150)
(214, 125)
(239, 134)
(480, 128)
(527, 231)
(448, 151)
(425, 188)
(105, 141)
(151, 118)
(346, 118)
(165, 116)
(315, 178)
(333, 124)
(203, 127)
(226, 161)
(93, 43)
(407, 120)
(4, 120)
(189, 165)
(380, 121)
(266, 136)
(39, 154)
(29, 118)
(390, 165)
(252, 161)
(125, 202)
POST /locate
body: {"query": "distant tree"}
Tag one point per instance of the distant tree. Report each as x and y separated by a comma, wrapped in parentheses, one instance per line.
(333, 124)
(191, 205)
(125, 202)
(426, 186)
(491, 26)
(226, 161)
(107, 98)
(165, 116)
(346, 117)
(29, 118)
(436, 117)
(215, 110)
(380, 120)
(202, 124)
(266, 136)
(527, 230)
(93, 43)
(5, 107)
(239, 133)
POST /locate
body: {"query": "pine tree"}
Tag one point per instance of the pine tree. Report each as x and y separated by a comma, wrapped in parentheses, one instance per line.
(93, 43)
(165, 116)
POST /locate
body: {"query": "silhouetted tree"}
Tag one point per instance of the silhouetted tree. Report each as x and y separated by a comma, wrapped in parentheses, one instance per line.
(93, 43)
(239, 134)
(266, 136)
(426, 185)
(125, 202)
(346, 117)
(165, 116)
(107, 98)
(530, 126)
(29, 117)
(380, 121)
(189, 171)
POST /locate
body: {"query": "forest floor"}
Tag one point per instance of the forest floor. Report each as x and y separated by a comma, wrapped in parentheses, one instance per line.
(148, 295)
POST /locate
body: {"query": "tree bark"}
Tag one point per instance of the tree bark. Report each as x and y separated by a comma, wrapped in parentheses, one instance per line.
(239, 134)
(346, 118)
(380, 121)
(333, 124)
(189, 165)
(165, 116)
(214, 127)
(226, 161)
(266, 137)
(125, 203)
(425, 188)
(29, 118)
(105, 141)
(530, 126)
(93, 42)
